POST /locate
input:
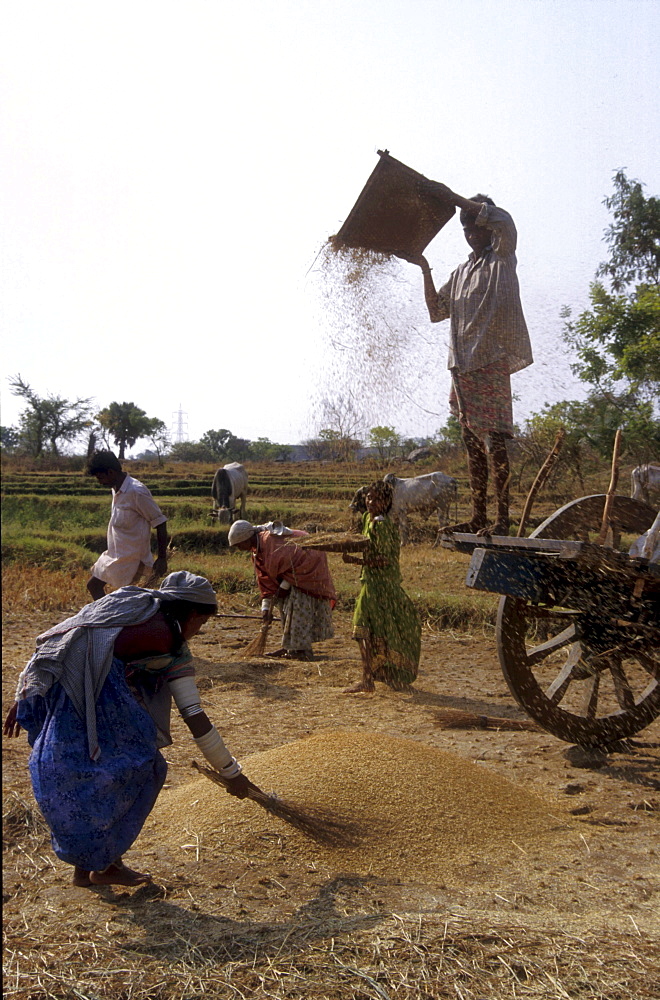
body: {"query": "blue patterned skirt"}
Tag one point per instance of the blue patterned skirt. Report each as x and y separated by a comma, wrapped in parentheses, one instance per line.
(95, 809)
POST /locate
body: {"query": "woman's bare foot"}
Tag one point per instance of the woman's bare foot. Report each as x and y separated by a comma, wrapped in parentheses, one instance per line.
(118, 874)
(81, 877)
(362, 687)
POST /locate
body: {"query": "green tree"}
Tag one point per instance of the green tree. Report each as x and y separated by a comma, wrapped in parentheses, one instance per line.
(264, 450)
(126, 423)
(225, 446)
(385, 440)
(191, 451)
(9, 439)
(216, 442)
(49, 421)
(238, 449)
(590, 430)
(450, 433)
(159, 436)
(617, 340)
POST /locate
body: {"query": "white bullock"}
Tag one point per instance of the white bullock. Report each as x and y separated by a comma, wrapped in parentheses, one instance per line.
(424, 494)
(647, 546)
(644, 479)
(230, 485)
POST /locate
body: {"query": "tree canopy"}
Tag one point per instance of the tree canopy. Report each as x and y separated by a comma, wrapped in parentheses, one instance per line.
(126, 423)
(617, 340)
(49, 421)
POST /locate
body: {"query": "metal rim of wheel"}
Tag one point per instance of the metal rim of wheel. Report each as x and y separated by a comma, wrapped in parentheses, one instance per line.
(591, 700)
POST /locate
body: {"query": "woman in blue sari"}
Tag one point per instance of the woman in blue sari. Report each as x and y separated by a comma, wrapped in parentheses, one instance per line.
(95, 702)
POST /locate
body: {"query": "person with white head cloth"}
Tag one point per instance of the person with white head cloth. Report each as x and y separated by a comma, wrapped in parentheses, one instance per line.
(294, 579)
(95, 701)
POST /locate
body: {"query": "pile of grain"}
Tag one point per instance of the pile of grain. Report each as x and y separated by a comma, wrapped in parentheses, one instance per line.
(419, 810)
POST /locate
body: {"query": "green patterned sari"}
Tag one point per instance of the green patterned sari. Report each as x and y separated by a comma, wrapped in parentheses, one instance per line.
(384, 614)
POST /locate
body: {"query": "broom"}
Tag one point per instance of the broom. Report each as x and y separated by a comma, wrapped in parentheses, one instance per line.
(258, 644)
(455, 719)
(332, 541)
(322, 825)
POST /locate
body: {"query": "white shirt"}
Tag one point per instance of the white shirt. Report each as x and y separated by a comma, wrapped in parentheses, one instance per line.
(134, 514)
(482, 302)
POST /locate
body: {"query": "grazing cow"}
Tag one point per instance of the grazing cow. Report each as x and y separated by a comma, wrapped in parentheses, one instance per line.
(425, 494)
(645, 478)
(229, 485)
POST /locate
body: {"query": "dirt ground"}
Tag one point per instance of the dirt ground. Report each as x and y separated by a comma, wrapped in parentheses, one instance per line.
(577, 916)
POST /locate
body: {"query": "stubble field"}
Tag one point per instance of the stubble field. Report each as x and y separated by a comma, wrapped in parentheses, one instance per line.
(491, 863)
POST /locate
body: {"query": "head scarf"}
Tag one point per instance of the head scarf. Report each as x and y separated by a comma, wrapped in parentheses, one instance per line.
(240, 531)
(185, 586)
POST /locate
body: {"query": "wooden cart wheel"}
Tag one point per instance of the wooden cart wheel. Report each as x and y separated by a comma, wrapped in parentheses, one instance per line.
(575, 684)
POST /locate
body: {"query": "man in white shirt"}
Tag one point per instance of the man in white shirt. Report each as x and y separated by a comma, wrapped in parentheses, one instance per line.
(134, 513)
(488, 342)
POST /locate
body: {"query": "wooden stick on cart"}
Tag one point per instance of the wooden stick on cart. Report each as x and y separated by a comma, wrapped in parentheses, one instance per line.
(611, 489)
(541, 477)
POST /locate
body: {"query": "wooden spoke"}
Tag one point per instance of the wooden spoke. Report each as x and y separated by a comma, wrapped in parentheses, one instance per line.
(591, 696)
(557, 689)
(622, 689)
(650, 664)
(539, 653)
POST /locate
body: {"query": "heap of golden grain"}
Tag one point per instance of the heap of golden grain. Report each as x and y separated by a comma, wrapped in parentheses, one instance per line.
(418, 810)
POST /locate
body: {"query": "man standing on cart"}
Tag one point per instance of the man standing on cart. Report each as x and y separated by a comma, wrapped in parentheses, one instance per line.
(488, 342)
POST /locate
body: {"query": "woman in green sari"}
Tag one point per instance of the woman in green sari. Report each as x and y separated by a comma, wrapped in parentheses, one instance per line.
(385, 623)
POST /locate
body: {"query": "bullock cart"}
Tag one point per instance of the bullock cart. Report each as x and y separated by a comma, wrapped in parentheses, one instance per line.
(578, 624)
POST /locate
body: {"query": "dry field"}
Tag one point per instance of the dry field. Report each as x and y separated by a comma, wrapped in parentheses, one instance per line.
(490, 863)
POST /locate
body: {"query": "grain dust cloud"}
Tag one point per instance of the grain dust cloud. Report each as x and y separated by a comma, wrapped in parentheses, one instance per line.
(381, 361)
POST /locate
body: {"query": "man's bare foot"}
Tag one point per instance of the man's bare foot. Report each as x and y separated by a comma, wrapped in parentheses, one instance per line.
(282, 652)
(299, 654)
(81, 877)
(119, 874)
(362, 687)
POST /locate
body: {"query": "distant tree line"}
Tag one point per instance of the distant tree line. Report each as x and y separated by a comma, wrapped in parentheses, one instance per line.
(50, 425)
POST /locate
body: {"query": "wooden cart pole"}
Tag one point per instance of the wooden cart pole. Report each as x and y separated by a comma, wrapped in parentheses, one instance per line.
(609, 497)
(541, 477)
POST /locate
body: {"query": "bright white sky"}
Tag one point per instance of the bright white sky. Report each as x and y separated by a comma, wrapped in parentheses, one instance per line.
(170, 170)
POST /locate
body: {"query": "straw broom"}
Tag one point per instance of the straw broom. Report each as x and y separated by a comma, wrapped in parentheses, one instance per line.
(331, 541)
(258, 645)
(456, 719)
(321, 825)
